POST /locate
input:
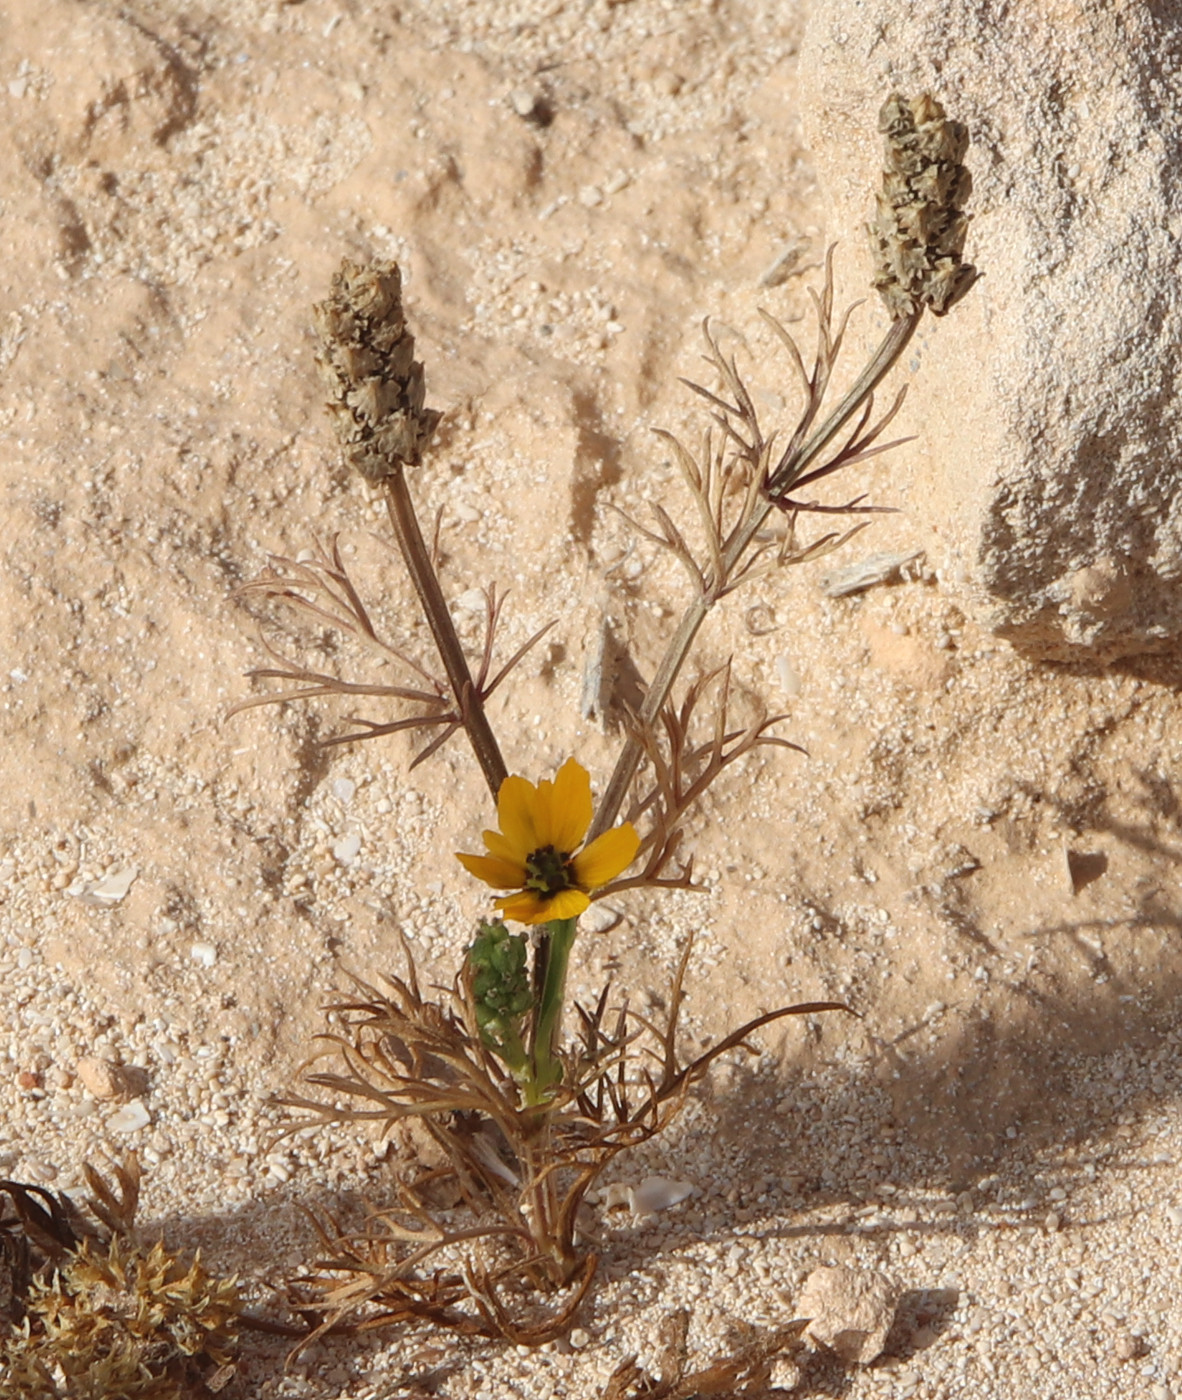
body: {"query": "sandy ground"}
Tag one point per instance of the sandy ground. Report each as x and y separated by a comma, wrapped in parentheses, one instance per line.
(978, 853)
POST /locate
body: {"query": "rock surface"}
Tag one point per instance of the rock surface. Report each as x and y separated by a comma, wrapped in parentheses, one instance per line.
(850, 1311)
(1045, 472)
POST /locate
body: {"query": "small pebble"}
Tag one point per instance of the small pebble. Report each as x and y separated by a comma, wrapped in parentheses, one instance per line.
(101, 1079)
(531, 105)
(343, 789)
(347, 849)
(204, 953)
(600, 918)
(130, 1118)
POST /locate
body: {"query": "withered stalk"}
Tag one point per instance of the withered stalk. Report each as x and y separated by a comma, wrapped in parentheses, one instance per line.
(787, 471)
(426, 584)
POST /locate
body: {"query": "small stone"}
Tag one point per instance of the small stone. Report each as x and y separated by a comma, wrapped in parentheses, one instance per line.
(347, 849)
(101, 1079)
(659, 1193)
(531, 105)
(600, 918)
(850, 1311)
(107, 892)
(130, 1118)
(579, 1338)
(343, 789)
(26, 1080)
(787, 676)
(1126, 1347)
(204, 953)
(471, 601)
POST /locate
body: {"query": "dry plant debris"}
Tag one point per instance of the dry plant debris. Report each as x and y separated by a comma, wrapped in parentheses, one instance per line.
(90, 1311)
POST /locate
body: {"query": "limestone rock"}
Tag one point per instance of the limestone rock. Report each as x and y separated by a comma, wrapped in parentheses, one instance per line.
(1044, 481)
(104, 1080)
(850, 1311)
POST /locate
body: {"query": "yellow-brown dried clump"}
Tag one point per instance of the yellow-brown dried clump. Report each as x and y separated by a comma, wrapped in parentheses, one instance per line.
(87, 1312)
(376, 386)
(920, 230)
(117, 1320)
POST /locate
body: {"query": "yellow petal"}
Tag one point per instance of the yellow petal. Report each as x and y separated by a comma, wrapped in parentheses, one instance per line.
(567, 904)
(516, 804)
(571, 806)
(606, 856)
(500, 874)
(544, 813)
(504, 849)
(525, 907)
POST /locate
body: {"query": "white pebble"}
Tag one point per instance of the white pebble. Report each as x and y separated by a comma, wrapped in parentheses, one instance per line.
(599, 919)
(130, 1118)
(343, 789)
(347, 848)
(107, 891)
(659, 1193)
(789, 680)
(473, 601)
(204, 953)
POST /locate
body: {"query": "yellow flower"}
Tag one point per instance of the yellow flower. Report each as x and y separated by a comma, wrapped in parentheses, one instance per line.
(536, 852)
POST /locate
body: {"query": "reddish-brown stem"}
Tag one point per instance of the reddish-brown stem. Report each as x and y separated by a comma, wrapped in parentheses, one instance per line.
(468, 703)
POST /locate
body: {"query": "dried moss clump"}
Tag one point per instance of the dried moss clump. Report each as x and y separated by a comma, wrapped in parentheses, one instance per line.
(90, 1313)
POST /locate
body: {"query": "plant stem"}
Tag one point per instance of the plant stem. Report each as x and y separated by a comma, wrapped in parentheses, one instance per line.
(788, 470)
(422, 573)
(555, 953)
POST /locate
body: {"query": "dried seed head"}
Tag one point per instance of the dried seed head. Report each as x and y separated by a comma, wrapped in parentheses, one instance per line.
(920, 230)
(375, 384)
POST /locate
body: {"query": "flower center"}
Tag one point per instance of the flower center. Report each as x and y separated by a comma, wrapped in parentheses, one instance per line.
(548, 871)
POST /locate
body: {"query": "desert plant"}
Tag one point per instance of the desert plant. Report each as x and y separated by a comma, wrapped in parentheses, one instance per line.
(524, 1118)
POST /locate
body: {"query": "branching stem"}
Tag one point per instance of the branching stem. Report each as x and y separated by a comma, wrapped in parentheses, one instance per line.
(787, 471)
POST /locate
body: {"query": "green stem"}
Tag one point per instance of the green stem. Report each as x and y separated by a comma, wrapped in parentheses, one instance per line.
(548, 1018)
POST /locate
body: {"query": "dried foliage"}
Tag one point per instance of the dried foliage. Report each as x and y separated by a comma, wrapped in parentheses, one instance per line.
(319, 590)
(745, 1372)
(682, 770)
(88, 1311)
(518, 1175)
